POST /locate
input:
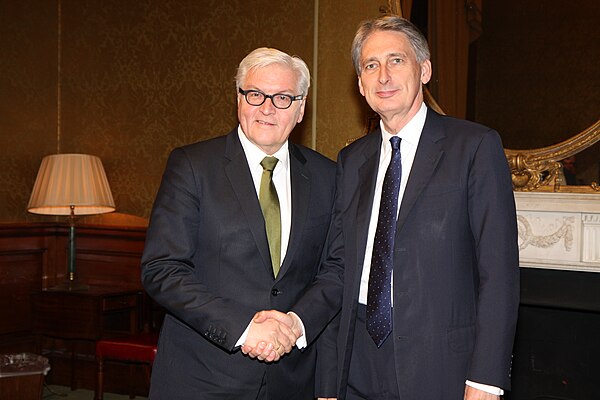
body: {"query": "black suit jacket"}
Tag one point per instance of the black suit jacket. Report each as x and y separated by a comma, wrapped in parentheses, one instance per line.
(207, 261)
(456, 276)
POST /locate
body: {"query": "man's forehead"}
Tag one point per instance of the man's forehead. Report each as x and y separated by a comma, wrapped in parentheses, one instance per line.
(273, 76)
(386, 42)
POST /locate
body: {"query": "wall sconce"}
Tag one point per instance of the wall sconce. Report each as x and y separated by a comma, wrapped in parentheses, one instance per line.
(71, 184)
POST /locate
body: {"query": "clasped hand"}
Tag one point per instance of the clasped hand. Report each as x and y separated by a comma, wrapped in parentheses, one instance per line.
(272, 334)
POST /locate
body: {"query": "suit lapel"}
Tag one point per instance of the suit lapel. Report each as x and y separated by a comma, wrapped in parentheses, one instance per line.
(301, 183)
(365, 189)
(367, 176)
(239, 176)
(429, 153)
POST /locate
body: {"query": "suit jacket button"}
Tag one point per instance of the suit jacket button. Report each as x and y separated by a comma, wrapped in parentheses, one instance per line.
(275, 292)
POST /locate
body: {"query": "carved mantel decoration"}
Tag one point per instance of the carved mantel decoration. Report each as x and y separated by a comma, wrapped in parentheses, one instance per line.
(559, 230)
(563, 234)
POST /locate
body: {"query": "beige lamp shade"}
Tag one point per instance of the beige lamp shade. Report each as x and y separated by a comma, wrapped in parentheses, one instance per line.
(67, 181)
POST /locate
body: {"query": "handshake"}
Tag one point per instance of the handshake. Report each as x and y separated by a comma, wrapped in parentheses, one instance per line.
(272, 334)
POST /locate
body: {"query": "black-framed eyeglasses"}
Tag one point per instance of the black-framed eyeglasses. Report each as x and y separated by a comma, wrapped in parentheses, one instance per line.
(279, 100)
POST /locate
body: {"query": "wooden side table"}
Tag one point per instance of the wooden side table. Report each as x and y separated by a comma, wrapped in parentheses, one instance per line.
(85, 316)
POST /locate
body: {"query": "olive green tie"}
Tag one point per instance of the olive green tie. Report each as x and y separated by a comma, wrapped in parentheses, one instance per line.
(269, 203)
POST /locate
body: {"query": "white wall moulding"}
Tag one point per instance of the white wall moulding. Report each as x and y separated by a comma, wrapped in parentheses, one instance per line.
(559, 230)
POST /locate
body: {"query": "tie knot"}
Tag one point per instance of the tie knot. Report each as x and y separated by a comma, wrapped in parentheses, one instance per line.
(395, 140)
(268, 163)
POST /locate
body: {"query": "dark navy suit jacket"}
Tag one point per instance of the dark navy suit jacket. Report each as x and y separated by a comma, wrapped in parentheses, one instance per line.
(456, 272)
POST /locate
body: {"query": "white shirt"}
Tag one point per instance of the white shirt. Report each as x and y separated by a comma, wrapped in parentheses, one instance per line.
(410, 135)
(281, 180)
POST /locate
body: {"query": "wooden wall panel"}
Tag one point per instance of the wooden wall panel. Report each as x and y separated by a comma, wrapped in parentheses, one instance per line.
(33, 257)
(24, 262)
(20, 276)
(110, 255)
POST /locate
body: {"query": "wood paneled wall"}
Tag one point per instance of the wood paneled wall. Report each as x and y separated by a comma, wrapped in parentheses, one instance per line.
(33, 257)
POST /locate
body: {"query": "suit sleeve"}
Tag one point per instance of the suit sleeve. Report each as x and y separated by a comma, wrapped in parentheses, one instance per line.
(327, 362)
(492, 219)
(168, 260)
(327, 355)
(323, 300)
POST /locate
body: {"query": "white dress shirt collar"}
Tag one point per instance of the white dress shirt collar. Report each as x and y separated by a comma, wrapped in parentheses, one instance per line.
(255, 155)
(411, 132)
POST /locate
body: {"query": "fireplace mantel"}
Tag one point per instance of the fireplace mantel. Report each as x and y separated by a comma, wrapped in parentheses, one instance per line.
(559, 230)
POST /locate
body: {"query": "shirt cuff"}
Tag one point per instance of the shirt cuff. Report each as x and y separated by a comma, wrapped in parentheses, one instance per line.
(486, 388)
(301, 342)
(242, 338)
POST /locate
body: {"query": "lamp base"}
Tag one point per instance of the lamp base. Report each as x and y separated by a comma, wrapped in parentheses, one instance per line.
(70, 286)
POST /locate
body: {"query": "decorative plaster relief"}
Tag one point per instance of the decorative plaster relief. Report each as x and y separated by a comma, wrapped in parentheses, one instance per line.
(559, 230)
(548, 236)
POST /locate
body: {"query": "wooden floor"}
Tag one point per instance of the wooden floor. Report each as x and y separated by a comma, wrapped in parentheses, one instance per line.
(54, 392)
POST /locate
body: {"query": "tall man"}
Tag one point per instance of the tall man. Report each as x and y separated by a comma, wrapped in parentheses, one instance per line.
(239, 225)
(423, 244)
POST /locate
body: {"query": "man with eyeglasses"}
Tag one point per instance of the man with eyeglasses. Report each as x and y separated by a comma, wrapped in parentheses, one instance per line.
(239, 225)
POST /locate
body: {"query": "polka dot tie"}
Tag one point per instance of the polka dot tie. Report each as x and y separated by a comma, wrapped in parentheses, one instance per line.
(379, 303)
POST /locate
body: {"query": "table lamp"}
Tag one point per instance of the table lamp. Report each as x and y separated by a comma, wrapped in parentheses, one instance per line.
(71, 184)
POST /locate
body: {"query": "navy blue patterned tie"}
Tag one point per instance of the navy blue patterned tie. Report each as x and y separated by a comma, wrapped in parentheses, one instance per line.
(379, 297)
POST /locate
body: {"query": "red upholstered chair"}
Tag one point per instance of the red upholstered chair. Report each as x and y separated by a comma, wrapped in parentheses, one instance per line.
(134, 349)
(140, 348)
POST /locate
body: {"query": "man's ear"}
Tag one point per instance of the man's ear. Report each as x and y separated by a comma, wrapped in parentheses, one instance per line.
(301, 113)
(360, 87)
(425, 71)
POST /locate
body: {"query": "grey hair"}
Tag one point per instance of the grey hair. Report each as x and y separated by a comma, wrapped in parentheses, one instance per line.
(264, 56)
(389, 23)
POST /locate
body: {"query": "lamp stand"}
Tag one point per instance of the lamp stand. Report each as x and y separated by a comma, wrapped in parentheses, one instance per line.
(71, 284)
(66, 181)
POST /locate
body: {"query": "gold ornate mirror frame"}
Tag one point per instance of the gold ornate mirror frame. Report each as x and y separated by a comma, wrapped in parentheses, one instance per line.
(538, 168)
(533, 169)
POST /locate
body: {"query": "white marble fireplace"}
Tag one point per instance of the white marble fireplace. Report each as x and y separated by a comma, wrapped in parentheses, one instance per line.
(559, 230)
